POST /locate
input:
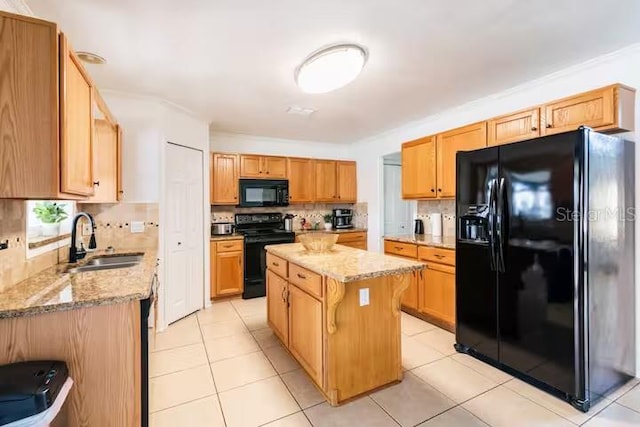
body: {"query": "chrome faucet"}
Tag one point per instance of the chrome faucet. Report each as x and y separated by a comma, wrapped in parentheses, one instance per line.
(76, 254)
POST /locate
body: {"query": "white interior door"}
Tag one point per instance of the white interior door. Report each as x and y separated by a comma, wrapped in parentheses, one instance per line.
(397, 212)
(184, 243)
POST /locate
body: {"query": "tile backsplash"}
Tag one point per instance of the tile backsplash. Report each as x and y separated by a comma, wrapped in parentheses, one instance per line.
(113, 224)
(445, 207)
(312, 212)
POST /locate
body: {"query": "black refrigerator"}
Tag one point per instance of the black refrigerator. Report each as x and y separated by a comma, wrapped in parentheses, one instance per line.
(545, 262)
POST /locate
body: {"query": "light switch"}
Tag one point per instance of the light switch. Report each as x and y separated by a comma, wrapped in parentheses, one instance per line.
(364, 297)
(137, 226)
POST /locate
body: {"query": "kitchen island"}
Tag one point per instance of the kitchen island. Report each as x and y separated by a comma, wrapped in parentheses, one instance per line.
(338, 314)
(94, 322)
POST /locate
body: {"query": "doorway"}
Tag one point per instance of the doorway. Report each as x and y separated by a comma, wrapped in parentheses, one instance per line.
(184, 231)
(397, 213)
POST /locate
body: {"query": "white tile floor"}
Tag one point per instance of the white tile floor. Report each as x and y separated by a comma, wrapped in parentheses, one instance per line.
(224, 367)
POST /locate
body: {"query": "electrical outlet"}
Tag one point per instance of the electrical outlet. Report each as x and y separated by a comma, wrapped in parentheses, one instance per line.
(137, 226)
(364, 297)
(86, 229)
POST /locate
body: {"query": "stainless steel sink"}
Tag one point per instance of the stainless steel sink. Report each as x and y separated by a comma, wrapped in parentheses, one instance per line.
(107, 262)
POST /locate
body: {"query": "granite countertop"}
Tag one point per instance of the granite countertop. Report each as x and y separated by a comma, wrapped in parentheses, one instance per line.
(345, 264)
(55, 290)
(221, 237)
(445, 242)
(336, 231)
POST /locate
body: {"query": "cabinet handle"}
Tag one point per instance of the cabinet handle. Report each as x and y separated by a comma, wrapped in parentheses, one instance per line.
(275, 264)
(549, 126)
(284, 298)
(433, 191)
(239, 261)
(534, 128)
(420, 274)
(398, 248)
(439, 190)
(267, 172)
(96, 183)
(302, 276)
(438, 256)
(228, 246)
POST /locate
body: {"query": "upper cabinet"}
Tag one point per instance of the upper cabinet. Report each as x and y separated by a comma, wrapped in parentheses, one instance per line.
(301, 180)
(263, 167)
(347, 182)
(466, 138)
(224, 171)
(606, 109)
(326, 175)
(514, 127)
(419, 168)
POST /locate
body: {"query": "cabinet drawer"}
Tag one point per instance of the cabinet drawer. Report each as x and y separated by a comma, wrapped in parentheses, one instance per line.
(439, 255)
(352, 237)
(408, 250)
(277, 265)
(306, 280)
(229, 246)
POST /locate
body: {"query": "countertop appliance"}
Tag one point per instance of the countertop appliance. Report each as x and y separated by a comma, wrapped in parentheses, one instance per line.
(545, 262)
(418, 227)
(29, 388)
(263, 193)
(259, 230)
(221, 228)
(342, 219)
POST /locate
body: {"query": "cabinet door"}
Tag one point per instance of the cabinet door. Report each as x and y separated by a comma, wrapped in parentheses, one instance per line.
(419, 169)
(251, 166)
(410, 297)
(301, 180)
(76, 124)
(438, 292)
(347, 187)
(449, 143)
(105, 162)
(274, 167)
(593, 109)
(277, 306)
(326, 181)
(229, 273)
(514, 127)
(224, 179)
(214, 270)
(305, 331)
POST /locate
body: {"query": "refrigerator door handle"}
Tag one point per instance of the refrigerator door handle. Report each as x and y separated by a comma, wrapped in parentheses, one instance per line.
(491, 225)
(500, 226)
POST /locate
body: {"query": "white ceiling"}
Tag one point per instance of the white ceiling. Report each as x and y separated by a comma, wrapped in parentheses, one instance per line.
(232, 61)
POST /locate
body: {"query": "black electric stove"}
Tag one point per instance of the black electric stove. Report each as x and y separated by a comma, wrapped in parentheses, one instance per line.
(259, 230)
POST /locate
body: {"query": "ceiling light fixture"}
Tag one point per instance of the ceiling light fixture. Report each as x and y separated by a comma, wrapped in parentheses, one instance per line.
(331, 68)
(91, 58)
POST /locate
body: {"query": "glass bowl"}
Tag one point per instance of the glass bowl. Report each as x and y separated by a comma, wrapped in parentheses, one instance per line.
(318, 242)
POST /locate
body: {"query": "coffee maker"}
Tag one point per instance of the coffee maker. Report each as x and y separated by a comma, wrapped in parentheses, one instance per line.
(342, 218)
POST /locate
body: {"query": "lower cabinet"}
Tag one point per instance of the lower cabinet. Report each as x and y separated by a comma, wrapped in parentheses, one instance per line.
(227, 268)
(356, 239)
(411, 296)
(278, 306)
(305, 331)
(439, 292)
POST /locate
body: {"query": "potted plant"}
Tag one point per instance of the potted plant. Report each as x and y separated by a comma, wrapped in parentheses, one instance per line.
(50, 215)
(327, 222)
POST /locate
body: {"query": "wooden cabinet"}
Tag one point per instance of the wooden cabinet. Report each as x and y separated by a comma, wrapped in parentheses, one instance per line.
(346, 186)
(325, 177)
(105, 163)
(227, 268)
(305, 331)
(419, 169)
(603, 109)
(301, 180)
(514, 127)
(410, 298)
(263, 167)
(357, 240)
(224, 172)
(438, 292)
(278, 306)
(449, 143)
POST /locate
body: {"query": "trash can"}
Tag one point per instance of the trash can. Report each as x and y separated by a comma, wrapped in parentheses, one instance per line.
(33, 393)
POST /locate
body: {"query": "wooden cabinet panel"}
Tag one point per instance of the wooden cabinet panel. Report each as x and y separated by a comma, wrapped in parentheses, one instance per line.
(250, 166)
(514, 127)
(356, 245)
(105, 163)
(408, 250)
(230, 246)
(347, 190)
(439, 255)
(305, 332)
(419, 169)
(306, 280)
(325, 180)
(76, 124)
(594, 109)
(411, 295)
(278, 265)
(438, 292)
(277, 306)
(225, 173)
(449, 143)
(301, 180)
(229, 273)
(274, 167)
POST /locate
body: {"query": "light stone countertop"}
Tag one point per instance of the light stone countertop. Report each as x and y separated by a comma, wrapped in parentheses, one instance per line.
(54, 290)
(444, 242)
(336, 231)
(345, 264)
(222, 237)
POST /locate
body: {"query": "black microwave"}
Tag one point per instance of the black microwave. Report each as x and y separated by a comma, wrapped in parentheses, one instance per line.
(263, 193)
